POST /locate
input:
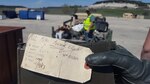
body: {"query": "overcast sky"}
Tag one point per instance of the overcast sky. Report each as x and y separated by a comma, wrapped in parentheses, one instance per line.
(45, 3)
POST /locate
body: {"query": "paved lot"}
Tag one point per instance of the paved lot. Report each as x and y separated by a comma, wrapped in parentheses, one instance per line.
(129, 33)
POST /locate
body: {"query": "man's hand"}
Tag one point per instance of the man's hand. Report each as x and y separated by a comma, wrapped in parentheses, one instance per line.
(134, 71)
(88, 31)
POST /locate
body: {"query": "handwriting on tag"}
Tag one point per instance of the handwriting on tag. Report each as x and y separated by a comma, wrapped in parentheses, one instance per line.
(56, 58)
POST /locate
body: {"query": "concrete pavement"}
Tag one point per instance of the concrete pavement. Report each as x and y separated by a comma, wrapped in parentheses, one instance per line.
(129, 33)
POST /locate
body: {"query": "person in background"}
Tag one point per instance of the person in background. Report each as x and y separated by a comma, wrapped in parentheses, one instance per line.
(88, 26)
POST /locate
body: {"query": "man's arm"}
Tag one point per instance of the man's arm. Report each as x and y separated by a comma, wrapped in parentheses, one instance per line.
(146, 48)
(91, 25)
(132, 70)
(92, 19)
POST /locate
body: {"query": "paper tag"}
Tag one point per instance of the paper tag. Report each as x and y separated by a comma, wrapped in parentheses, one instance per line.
(56, 58)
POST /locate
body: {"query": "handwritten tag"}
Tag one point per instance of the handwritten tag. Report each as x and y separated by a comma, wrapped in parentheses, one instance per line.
(56, 58)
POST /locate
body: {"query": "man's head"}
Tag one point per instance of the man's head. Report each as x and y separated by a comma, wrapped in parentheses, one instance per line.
(88, 12)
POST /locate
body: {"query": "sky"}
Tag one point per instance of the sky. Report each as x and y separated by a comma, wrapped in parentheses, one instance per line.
(46, 3)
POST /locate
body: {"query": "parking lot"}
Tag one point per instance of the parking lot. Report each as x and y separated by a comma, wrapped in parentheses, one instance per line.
(129, 33)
